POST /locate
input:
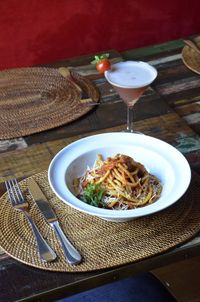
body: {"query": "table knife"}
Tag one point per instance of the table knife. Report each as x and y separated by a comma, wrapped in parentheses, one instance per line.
(72, 255)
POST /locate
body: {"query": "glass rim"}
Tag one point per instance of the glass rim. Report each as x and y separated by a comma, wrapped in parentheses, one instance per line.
(133, 86)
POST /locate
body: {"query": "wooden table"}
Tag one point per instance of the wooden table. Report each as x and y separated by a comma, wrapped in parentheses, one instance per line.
(169, 110)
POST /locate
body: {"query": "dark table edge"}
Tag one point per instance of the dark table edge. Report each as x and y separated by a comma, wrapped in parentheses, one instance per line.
(115, 274)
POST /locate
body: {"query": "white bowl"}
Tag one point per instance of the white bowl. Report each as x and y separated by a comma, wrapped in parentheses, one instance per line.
(158, 157)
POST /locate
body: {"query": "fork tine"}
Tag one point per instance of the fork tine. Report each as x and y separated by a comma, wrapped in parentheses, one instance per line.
(7, 183)
(11, 192)
(18, 191)
(14, 192)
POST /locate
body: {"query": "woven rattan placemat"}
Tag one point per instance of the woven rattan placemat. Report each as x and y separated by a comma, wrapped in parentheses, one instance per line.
(36, 99)
(102, 244)
(191, 58)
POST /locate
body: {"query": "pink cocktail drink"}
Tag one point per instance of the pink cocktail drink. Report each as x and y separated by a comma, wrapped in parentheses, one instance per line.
(130, 79)
(130, 95)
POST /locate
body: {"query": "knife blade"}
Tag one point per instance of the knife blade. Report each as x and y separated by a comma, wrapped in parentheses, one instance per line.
(72, 256)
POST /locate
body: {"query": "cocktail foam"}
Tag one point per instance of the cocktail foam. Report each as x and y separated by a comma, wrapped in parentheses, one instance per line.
(131, 74)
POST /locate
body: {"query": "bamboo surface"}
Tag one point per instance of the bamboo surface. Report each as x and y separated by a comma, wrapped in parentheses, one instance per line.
(132, 241)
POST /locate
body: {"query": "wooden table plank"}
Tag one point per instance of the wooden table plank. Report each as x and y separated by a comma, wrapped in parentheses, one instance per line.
(110, 113)
(37, 157)
(183, 95)
(12, 144)
(174, 86)
(24, 162)
(153, 49)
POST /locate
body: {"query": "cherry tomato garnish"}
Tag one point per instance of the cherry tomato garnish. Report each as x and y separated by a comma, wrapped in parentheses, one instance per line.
(102, 63)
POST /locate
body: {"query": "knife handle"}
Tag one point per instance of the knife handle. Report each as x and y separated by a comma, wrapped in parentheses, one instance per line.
(45, 251)
(72, 255)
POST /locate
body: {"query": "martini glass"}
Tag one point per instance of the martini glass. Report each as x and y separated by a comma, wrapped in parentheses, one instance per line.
(130, 79)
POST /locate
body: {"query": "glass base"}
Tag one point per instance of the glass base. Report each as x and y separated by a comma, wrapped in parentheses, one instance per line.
(132, 131)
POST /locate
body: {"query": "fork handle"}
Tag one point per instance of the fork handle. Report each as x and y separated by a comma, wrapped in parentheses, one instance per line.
(45, 251)
(71, 254)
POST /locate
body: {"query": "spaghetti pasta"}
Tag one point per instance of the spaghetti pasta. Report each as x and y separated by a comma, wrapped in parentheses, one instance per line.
(118, 182)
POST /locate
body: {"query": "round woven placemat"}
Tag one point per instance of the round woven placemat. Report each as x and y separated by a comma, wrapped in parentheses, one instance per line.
(191, 58)
(102, 244)
(36, 99)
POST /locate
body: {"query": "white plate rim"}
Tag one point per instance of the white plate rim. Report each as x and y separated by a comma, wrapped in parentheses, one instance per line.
(138, 212)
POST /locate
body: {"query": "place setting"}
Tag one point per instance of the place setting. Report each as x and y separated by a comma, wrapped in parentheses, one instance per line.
(107, 199)
(104, 236)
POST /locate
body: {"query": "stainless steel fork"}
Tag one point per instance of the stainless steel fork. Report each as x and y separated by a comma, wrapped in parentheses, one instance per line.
(19, 203)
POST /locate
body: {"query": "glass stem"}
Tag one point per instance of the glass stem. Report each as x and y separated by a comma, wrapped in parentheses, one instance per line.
(129, 127)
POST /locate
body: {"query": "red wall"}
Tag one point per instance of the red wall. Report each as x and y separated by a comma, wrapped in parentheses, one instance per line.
(41, 31)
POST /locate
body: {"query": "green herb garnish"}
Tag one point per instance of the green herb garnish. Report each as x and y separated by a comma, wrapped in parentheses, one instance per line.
(99, 58)
(93, 194)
